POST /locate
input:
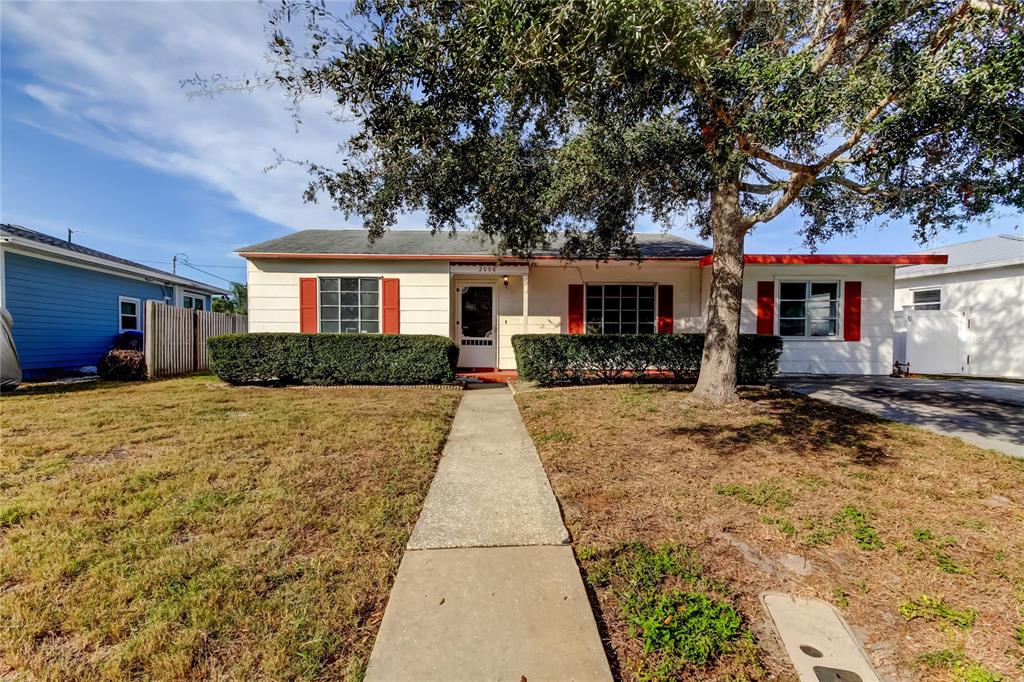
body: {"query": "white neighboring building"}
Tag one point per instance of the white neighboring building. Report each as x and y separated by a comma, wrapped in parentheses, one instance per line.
(967, 316)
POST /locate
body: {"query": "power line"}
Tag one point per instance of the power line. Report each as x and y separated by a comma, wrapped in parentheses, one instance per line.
(224, 279)
(161, 262)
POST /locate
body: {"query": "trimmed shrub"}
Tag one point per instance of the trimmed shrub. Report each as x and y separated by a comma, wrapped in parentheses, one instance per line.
(572, 358)
(333, 359)
(123, 365)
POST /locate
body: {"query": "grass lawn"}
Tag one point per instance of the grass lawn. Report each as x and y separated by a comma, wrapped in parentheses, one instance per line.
(185, 529)
(681, 514)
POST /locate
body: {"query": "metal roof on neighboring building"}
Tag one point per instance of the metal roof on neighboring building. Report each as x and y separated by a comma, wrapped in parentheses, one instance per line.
(19, 232)
(424, 244)
(991, 252)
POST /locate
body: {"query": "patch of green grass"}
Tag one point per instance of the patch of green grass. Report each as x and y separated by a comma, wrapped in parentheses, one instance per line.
(680, 617)
(943, 560)
(859, 525)
(946, 564)
(841, 598)
(762, 495)
(960, 667)
(934, 609)
(785, 526)
(186, 529)
(811, 482)
(557, 436)
(1019, 634)
(12, 516)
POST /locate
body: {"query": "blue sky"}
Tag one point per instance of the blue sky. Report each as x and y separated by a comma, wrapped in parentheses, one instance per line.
(96, 134)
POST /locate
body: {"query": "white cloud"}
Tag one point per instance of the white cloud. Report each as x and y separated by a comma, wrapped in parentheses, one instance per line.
(107, 75)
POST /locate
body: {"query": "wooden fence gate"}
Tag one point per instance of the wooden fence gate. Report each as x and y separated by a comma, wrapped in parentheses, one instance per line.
(176, 337)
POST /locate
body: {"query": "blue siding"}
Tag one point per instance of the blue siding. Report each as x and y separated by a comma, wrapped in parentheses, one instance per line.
(66, 317)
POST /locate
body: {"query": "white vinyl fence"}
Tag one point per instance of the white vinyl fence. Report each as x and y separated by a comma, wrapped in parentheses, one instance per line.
(176, 337)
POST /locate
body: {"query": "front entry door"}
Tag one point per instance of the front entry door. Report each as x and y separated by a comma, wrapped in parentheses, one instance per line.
(476, 326)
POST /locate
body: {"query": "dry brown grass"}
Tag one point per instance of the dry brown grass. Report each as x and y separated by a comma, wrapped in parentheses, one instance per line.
(771, 476)
(185, 529)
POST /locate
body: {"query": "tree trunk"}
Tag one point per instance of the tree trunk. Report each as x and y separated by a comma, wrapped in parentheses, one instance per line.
(717, 380)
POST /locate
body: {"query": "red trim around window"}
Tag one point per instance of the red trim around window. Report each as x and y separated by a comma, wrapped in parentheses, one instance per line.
(665, 309)
(766, 308)
(851, 311)
(307, 305)
(390, 322)
(575, 308)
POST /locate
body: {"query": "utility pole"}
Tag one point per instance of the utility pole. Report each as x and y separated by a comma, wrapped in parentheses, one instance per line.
(174, 265)
(70, 232)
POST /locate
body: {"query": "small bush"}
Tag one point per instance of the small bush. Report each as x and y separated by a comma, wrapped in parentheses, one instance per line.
(333, 359)
(678, 615)
(123, 365)
(573, 358)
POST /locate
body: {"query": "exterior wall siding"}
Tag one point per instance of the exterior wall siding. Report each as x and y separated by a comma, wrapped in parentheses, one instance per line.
(873, 354)
(274, 291)
(66, 317)
(994, 300)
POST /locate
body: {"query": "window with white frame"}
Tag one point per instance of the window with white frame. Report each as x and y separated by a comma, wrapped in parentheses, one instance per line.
(350, 305)
(928, 299)
(129, 314)
(620, 309)
(193, 301)
(809, 309)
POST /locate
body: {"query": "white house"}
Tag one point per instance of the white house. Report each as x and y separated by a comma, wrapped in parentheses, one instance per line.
(834, 312)
(965, 316)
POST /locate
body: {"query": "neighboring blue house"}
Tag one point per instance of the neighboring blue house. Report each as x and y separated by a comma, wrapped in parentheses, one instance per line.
(69, 302)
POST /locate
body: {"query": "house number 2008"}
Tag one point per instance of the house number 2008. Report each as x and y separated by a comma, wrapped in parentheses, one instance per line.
(487, 268)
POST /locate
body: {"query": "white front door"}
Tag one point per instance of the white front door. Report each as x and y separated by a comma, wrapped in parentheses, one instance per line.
(475, 322)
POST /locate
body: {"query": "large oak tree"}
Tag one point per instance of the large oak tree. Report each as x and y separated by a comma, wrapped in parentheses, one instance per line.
(527, 118)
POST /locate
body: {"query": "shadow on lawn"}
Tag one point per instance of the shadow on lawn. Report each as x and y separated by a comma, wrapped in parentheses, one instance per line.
(792, 424)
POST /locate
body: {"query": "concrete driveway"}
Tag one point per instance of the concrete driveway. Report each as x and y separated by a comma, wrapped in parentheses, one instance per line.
(989, 414)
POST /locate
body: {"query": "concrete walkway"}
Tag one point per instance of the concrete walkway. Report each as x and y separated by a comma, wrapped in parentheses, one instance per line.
(488, 588)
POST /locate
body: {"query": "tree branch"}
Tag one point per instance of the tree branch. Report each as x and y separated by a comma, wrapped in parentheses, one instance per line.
(796, 182)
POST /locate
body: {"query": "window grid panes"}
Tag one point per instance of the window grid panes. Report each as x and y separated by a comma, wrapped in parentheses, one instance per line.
(809, 309)
(620, 309)
(928, 299)
(350, 305)
(129, 313)
(192, 302)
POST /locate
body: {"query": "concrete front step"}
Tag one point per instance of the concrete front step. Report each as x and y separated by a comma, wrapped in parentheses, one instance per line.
(499, 613)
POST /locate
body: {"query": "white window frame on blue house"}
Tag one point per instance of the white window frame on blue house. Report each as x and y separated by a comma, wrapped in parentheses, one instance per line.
(195, 297)
(120, 316)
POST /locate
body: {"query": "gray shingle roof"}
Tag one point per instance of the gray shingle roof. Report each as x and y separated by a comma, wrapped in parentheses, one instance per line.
(990, 252)
(49, 240)
(423, 243)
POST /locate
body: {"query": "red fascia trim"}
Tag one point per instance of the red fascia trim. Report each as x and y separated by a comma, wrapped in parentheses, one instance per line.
(453, 259)
(837, 259)
(367, 256)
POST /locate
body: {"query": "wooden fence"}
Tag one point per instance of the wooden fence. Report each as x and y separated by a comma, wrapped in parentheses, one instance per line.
(176, 337)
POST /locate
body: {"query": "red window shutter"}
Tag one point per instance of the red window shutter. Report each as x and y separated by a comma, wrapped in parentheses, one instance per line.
(389, 316)
(851, 311)
(766, 308)
(664, 308)
(307, 305)
(575, 308)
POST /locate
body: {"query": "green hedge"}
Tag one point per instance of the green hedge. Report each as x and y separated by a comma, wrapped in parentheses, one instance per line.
(331, 359)
(562, 359)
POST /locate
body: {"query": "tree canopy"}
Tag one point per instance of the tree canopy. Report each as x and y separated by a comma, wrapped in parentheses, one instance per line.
(527, 118)
(522, 118)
